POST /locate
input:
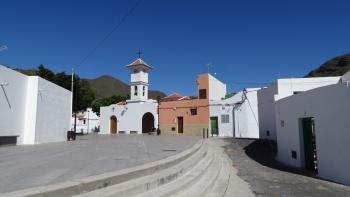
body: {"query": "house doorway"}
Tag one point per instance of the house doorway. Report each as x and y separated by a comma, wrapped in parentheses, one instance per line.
(214, 126)
(180, 124)
(147, 122)
(309, 136)
(113, 125)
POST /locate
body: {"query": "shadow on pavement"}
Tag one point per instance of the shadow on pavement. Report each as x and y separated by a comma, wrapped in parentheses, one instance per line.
(264, 152)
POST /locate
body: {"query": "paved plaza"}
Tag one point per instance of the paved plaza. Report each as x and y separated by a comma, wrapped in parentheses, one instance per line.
(29, 166)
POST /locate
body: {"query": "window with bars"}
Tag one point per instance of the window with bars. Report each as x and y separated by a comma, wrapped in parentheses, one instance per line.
(194, 111)
(202, 94)
(225, 118)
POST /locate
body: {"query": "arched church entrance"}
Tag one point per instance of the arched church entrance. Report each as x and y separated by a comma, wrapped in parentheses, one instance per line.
(113, 125)
(147, 122)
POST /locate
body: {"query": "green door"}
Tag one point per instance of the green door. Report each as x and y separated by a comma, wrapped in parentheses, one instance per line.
(214, 126)
(309, 143)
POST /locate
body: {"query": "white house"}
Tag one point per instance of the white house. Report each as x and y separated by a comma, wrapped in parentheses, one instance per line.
(32, 110)
(86, 121)
(313, 130)
(238, 114)
(279, 89)
(137, 115)
(217, 89)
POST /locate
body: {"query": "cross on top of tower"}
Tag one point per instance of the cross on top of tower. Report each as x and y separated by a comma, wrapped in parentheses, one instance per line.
(139, 53)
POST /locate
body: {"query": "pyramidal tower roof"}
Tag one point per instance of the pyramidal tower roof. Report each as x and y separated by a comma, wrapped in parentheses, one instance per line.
(139, 62)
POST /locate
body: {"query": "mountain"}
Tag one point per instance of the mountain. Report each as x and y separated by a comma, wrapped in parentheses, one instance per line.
(334, 67)
(106, 86)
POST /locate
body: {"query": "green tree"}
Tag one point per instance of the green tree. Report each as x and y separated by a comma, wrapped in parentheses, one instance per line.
(45, 73)
(96, 104)
(229, 95)
(86, 94)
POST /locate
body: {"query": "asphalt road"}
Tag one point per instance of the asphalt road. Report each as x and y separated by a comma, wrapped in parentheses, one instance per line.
(256, 165)
(29, 166)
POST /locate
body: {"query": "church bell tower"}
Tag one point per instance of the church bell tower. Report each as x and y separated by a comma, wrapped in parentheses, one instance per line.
(139, 80)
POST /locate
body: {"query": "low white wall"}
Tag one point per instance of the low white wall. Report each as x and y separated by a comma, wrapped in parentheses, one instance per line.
(330, 107)
(129, 117)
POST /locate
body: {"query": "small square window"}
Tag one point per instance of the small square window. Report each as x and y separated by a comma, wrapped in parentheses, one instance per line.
(194, 111)
(202, 93)
(282, 123)
(225, 118)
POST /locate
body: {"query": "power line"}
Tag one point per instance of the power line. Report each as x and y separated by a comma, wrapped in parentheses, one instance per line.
(111, 32)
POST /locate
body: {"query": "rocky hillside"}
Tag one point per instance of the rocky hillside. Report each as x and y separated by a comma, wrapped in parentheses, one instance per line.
(106, 86)
(334, 67)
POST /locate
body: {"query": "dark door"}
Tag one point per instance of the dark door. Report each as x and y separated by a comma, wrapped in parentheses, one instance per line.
(113, 125)
(214, 125)
(180, 124)
(147, 122)
(309, 144)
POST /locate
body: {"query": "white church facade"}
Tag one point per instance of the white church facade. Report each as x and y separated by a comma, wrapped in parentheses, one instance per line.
(137, 115)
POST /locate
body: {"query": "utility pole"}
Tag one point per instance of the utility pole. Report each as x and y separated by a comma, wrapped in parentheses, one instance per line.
(72, 98)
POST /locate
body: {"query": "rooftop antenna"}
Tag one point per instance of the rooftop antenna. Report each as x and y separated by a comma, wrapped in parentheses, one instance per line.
(209, 65)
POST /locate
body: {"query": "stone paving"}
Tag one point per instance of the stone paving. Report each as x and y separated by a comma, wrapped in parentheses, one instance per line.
(29, 166)
(255, 163)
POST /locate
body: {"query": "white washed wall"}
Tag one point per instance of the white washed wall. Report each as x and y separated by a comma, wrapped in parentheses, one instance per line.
(53, 112)
(12, 113)
(39, 110)
(243, 118)
(330, 106)
(217, 89)
(279, 89)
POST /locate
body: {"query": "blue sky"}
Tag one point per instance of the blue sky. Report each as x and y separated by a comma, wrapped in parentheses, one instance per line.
(246, 41)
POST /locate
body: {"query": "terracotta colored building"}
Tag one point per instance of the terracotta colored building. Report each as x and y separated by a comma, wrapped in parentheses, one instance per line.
(190, 116)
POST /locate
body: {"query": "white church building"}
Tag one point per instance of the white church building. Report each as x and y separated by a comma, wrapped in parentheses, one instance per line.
(238, 114)
(137, 115)
(33, 110)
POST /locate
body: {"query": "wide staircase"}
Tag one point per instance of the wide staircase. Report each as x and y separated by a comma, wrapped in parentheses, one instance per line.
(203, 170)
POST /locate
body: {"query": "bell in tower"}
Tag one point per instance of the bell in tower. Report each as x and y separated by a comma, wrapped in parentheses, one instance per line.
(139, 80)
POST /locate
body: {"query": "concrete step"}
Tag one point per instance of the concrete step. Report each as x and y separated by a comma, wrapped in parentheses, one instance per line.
(97, 182)
(186, 181)
(208, 180)
(146, 183)
(222, 182)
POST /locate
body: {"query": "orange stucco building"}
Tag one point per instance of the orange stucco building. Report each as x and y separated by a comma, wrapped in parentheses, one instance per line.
(183, 115)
